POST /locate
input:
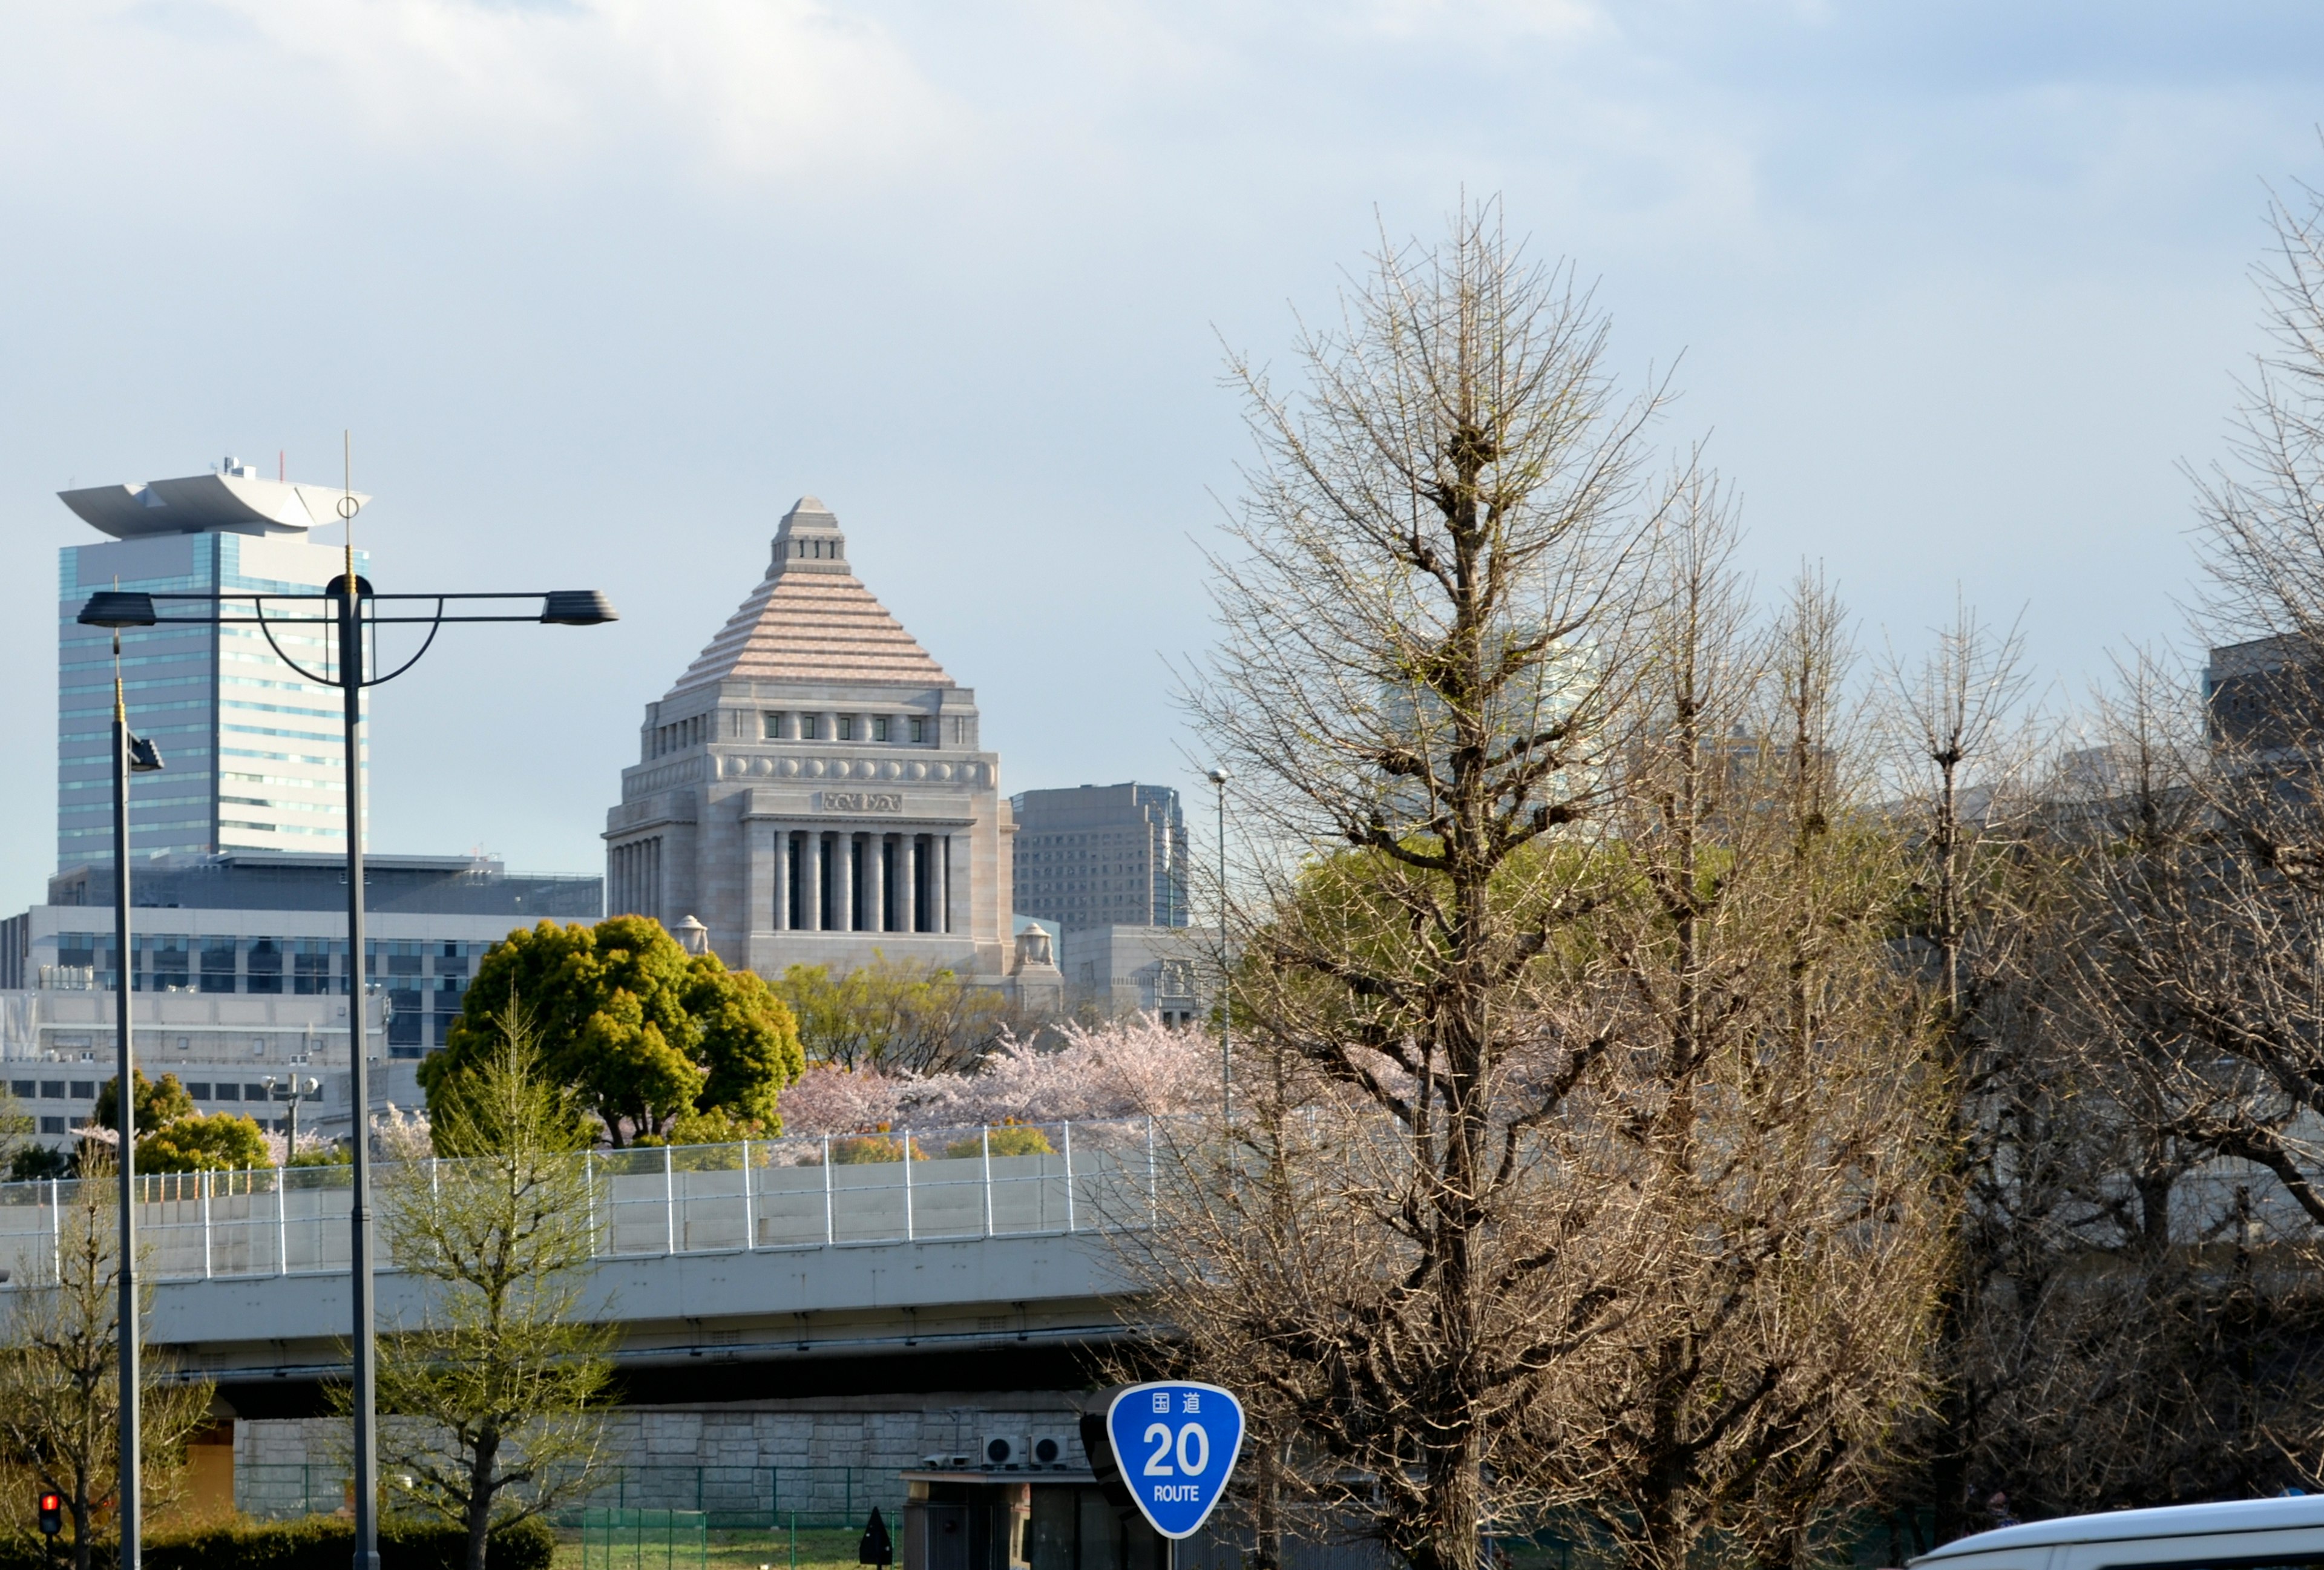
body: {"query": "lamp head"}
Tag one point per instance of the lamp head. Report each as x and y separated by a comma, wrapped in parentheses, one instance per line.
(117, 608)
(1217, 776)
(577, 608)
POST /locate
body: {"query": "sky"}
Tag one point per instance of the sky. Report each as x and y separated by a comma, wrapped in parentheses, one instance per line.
(1953, 294)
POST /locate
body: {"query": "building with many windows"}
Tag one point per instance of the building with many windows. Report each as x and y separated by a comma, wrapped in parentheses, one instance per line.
(1101, 855)
(814, 791)
(253, 751)
(254, 925)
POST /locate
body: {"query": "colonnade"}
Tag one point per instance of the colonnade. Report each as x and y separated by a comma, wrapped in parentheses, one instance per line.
(847, 879)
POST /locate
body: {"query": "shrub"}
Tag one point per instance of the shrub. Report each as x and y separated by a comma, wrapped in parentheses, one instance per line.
(870, 1147)
(1009, 1139)
(314, 1543)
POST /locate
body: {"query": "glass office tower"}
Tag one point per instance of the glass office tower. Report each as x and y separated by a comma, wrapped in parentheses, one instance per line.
(253, 751)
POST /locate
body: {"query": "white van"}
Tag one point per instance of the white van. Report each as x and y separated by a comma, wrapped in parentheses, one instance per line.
(2258, 1534)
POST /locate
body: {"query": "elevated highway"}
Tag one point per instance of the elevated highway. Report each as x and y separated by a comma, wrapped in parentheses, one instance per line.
(787, 1266)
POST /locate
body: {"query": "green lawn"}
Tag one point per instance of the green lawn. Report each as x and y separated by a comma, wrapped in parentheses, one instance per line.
(810, 1549)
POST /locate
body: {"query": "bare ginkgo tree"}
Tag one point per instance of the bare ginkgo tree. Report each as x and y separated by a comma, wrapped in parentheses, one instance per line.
(1562, 1171)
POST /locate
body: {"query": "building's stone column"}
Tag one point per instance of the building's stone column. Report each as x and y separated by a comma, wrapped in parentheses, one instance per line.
(760, 878)
(879, 850)
(810, 877)
(781, 916)
(911, 883)
(843, 881)
(943, 877)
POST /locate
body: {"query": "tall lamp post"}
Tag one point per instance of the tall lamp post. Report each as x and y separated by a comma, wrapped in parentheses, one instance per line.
(130, 755)
(1218, 777)
(348, 603)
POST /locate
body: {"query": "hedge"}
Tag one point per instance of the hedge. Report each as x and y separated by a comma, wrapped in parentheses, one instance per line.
(314, 1543)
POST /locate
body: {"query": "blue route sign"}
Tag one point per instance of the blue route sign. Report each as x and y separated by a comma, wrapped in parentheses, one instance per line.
(1176, 1443)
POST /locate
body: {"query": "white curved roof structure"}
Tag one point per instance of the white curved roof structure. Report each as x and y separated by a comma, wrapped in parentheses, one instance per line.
(237, 502)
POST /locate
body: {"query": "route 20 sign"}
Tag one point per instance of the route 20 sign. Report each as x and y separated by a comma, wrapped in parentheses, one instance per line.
(1175, 1444)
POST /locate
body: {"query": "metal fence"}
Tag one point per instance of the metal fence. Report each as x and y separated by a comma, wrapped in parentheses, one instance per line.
(288, 1490)
(643, 1539)
(739, 1498)
(884, 1187)
(726, 1498)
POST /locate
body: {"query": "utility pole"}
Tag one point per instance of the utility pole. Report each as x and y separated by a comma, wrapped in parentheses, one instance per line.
(1218, 778)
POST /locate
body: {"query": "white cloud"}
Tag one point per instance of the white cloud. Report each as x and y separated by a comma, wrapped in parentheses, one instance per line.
(757, 88)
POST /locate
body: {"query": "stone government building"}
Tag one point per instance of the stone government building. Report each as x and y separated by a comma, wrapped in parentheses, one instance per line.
(812, 791)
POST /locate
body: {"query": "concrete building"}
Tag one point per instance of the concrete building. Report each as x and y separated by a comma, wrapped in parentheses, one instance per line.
(814, 789)
(1168, 972)
(56, 1049)
(253, 751)
(242, 959)
(1101, 855)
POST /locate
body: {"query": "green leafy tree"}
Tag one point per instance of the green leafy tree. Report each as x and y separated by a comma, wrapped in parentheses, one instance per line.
(892, 1016)
(641, 1031)
(158, 1105)
(173, 1137)
(15, 1131)
(497, 1397)
(219, 1142)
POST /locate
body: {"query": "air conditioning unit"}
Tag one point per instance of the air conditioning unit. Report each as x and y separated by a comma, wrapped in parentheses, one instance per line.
(1050, 1452)
(1003, 1452)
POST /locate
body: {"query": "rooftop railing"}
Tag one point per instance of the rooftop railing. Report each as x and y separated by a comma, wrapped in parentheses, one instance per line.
(908, 1185)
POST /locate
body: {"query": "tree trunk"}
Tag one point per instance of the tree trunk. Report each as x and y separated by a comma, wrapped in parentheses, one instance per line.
(1270, 1554)
(480, 1495)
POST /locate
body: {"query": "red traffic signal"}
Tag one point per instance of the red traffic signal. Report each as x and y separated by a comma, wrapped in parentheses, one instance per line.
(52, 1513)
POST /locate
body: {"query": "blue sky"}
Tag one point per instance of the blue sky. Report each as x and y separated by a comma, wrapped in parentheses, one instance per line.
(602, 285)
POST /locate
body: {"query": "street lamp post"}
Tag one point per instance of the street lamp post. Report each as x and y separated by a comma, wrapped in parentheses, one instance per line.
(348, 603)
(130, 755)
(1218, 777)
(293, 1090)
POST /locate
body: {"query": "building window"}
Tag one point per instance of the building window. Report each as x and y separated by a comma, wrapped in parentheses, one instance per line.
(846, 728)
(228, 1093)
(218, 964)
(52, 1125)
(263, 966)
(878, 727)
(810, 726)
(52, 1089)
(84, 1089)
(199, 1090)
(919, 729)
(22, 1089)
(772, 726)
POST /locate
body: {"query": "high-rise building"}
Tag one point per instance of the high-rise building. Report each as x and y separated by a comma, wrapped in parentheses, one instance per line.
(1101, 855)
(253, 752)
(813, 790)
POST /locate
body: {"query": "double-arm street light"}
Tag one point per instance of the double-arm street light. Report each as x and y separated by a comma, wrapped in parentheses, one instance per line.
(348, 603)
(296, 1088)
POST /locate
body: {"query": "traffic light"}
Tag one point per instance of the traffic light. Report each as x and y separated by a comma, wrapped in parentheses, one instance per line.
(52, 1513)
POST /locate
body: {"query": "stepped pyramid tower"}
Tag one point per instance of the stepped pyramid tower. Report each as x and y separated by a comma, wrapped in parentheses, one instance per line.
(811, 791)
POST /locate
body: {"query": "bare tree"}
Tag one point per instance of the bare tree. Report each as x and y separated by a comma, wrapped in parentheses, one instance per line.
(1761, 1097)
(1959, 751)
(498, 1397)
(1423, 636)
(61, 1371)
